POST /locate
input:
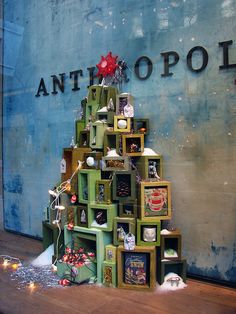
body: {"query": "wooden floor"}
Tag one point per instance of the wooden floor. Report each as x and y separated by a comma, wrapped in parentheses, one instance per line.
(198, 297)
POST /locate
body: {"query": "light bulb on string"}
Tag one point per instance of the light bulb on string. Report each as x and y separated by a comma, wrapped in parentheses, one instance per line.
(31, 285)
(6, 262)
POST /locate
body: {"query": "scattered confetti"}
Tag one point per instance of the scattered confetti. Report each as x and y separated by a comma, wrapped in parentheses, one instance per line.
(42, 276)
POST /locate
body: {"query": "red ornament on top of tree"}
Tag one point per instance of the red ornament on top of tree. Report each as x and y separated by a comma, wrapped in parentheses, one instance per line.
(107, 65)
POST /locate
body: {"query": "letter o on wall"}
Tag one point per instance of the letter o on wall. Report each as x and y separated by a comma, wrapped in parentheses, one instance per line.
(204, 58)
(149, 67)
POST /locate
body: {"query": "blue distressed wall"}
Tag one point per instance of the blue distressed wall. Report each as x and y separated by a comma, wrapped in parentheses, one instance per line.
(192, 115)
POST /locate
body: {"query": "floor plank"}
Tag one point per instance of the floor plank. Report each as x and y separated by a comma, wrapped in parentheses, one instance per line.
(198, 297)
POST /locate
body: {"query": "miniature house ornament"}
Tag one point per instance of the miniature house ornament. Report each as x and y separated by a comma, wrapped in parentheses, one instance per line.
(129, 110)
(129, 242)
(63, 166)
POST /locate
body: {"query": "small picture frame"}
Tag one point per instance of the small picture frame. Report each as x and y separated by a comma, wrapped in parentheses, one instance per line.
(137, 268)
(133, 144)
(155, 200)
(103, 191)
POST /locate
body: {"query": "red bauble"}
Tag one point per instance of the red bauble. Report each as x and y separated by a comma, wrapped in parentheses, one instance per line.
(73, 199)
(70, 226)
(64, 282)
(107, 65)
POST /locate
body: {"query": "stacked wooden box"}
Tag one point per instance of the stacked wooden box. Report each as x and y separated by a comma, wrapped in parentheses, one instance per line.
(120, 192)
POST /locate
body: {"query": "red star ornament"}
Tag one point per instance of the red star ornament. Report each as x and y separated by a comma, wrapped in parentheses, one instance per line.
(107, 65)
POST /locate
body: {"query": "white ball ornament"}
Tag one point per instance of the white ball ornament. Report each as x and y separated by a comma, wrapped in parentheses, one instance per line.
(90, 161)
(122, 124)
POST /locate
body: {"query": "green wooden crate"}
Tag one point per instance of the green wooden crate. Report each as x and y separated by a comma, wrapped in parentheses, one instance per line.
(103, 191)
(76, 274)
(108, 92)
(109, 274)
(141, 126)
(87, 185)
(79, 126)
(149, 166)
(121, 227)
(50, 236)
(112, 141)
(128, 209)
(124, 186)
(106, 116)
(97, 131)
(149, 239)
(178, 267)
(95, 94)
(172, 242)
(100, 216)
(84, 139)
(91, 239)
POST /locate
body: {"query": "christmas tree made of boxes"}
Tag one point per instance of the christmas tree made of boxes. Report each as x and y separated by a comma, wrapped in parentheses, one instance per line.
(105, 217)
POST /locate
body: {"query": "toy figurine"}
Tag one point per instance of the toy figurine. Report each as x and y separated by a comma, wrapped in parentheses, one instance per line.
(83, 216)
(110, 105)
(152, 171)
(121, 234)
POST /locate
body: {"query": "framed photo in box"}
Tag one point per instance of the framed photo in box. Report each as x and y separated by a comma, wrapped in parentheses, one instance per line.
(137, 268)
(165, 267)
(103, 191)
(155, 200)
(132, 144)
